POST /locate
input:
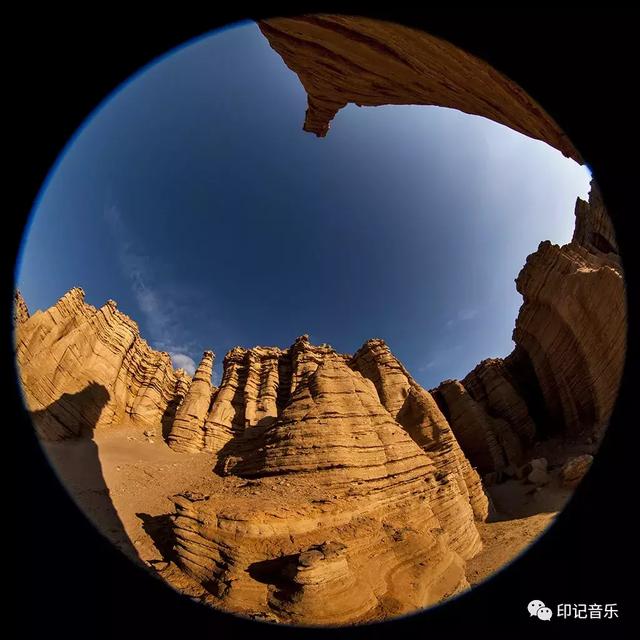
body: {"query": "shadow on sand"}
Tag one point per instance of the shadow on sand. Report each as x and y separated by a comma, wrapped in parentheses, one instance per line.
(66, 429)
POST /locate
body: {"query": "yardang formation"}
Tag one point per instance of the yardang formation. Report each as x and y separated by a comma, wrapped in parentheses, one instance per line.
(349, 492)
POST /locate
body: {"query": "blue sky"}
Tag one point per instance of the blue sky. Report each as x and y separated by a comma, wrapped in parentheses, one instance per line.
(193, 198)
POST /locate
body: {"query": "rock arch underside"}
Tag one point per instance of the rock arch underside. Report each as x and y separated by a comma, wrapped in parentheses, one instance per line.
(344, 491)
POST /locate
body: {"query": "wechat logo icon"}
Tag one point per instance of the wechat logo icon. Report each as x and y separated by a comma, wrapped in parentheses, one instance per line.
(538, 609)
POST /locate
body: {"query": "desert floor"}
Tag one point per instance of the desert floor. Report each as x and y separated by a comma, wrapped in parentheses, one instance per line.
(123, 480)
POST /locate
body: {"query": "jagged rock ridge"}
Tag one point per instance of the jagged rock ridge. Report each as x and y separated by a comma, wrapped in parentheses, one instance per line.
(564, 373)
(344, 480)
(74, 346)
(359, 512)
(350, 492)
(377, 495)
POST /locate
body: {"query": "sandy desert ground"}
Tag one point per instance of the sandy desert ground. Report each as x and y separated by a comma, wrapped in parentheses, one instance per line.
(123, 481)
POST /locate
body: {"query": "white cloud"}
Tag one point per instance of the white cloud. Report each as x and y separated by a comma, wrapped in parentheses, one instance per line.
(463, 315)
(467, 314)
(161, 316)
(183, 361)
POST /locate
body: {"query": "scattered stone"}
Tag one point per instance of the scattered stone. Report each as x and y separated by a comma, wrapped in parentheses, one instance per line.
(574, 469)
(538, 471)
(539, 476)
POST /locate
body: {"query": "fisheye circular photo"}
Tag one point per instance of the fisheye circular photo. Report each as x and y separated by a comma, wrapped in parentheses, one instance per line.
(320, 319)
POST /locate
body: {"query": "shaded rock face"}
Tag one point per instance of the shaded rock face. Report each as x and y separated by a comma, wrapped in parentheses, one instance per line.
(594, 230)
(575, 469)
(564, 373)
(74, 346)
(346, 59)
(573, 322)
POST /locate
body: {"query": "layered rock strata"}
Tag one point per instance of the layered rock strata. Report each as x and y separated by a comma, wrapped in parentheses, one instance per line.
(572, 325)
(349, 492)
(570, 334)
(417, 412)
(187, 428)
(83, 367)
(346, 59)
(342, 506)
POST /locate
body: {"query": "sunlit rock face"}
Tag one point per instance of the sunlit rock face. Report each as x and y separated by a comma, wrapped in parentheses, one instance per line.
(346, 59)
(344, 491)
(74, 347)
(343, 505)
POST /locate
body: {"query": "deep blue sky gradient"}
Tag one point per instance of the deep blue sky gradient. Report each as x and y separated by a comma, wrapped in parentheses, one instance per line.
(193, 198)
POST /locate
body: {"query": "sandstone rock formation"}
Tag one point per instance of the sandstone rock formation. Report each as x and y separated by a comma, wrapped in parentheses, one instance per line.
(346, 491)
(344, 515)
(570, 334)
(20, 309)
(349, 492)
(346, 59)
(343, 481)
(488, 442)
(73, 347)
(572, 324)
(417, 412)
(187, 429)
(593, 229)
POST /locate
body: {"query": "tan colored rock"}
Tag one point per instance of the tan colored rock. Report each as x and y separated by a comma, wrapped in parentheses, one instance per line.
(537, 471)
(83, 368)
(345, 59)
(487, 442)
(572, 325)
(417, 412)
(574, 469)
(20, 309)
(187, 429)
(343, 507)
(490, 384)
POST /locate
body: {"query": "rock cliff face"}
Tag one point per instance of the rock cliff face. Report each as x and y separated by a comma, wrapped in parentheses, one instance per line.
(349, 492)
(187, 429)
(572, 326)
(346, 59)
(570, 335)
(72, 347)
(346, 512)
(343, 483)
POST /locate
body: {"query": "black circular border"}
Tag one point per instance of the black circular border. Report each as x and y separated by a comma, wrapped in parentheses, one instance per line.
(578, 63)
